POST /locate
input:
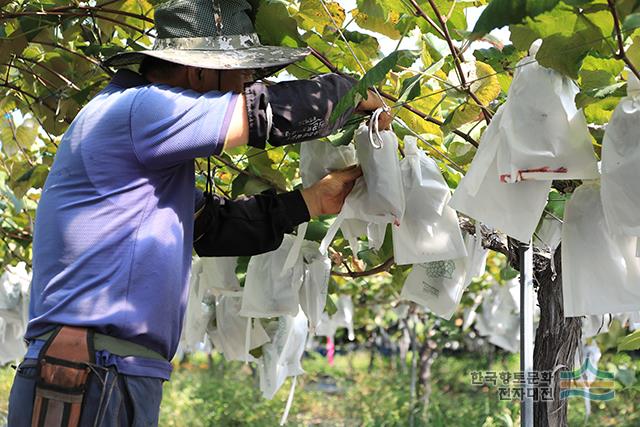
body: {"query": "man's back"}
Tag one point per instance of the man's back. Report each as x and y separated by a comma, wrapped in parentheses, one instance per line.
(113, 235)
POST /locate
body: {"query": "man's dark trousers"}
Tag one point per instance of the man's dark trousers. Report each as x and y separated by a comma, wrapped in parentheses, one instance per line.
(114, 400)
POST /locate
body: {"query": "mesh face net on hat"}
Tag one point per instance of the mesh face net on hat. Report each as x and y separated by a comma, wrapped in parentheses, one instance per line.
(213, 34)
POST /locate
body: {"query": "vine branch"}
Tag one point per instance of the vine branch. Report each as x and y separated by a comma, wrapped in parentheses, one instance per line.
(621, 54)
(418, 11)
(68, 11)
(325, 61)
(457, 60)
(79, 55)
(385, 266)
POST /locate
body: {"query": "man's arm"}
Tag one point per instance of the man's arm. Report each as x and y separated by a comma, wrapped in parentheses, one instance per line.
(257, 224)
(293, 111)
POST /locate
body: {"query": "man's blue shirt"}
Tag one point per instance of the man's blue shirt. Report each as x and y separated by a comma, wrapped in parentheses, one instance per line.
(114, 226)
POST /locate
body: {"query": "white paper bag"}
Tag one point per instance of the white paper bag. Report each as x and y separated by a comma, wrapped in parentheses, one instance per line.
(514, 209)
(620, 164)
(476, 256)
(545, 135)
(12, 329)
(356, 210)
(499, 319)
(14, 310)
(231, 330)
(327, 327)
(268, 290)
(196, 316)
(313, 292)
(436, 285)
(429, 229)
(344, 315)
(318, 159)
(600, 272)
(549, 234)
(219, 275)
(381, 171)
(281, 357)
(594, 325)
(14, 283)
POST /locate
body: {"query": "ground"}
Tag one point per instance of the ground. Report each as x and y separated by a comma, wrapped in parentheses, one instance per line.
(217, 393)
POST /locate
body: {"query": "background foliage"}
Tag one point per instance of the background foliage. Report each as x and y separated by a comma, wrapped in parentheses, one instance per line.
(440, 85)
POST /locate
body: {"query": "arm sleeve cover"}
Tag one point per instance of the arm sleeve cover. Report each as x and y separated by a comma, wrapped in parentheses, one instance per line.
(247, 226)
(301, 109)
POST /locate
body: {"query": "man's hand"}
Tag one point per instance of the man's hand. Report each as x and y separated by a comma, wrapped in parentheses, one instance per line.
(372, 103)
(326, 196)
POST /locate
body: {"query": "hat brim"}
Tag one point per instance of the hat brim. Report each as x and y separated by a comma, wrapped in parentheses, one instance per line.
(272, 58)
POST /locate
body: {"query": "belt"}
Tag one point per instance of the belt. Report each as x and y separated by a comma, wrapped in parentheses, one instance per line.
(116, 346)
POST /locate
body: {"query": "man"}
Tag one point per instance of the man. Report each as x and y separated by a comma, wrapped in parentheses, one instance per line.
(114, 227)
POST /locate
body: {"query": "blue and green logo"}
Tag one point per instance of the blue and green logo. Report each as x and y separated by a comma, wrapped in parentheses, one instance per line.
(576, 383)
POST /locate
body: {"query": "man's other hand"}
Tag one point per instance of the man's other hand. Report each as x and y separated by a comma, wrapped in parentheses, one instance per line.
(372, 103)
(326, 196)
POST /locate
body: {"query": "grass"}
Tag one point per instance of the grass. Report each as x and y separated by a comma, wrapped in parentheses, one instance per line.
(213, 392)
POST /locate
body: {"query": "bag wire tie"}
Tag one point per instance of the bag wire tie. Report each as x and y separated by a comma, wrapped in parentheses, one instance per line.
(374, 126)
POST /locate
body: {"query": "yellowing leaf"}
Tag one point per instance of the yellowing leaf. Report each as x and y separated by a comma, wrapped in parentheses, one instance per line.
(312, 14)
(426, 105)
(486, 87)
(373, 23)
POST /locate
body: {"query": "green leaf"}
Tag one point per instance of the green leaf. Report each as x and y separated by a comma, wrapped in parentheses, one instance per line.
(486, 88)
(32, 25)
(371, 78)
(33, 178)
(506, 12)
(435, 46)
(630, 342)
(316, 230)
(256, 352)
(312, 15)
(508, 273)
(557, 202)
(275, 26)
(626, 377)
(410, 88)
(261, 165)
(600, 111)
(245, 185)
(631, 23)
(330, 306)
(371, 15)
(346, 134)
(565, 53)
(599, 72)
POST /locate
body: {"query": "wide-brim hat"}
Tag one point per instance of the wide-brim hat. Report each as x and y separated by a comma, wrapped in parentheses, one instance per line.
(214, 34)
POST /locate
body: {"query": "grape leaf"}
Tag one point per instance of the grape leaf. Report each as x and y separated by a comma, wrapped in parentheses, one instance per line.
(371, 78)
(506, 12)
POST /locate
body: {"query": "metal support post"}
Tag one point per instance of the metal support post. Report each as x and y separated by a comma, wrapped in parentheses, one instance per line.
(526, 332)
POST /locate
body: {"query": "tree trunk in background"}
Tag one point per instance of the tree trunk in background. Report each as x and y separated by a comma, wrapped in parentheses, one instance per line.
(405, 343)
(427, 357)
(414, 374)
(557, 340)
(372, 353)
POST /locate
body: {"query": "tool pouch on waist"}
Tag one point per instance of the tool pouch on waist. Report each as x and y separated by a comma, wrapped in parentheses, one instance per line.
(63, 366)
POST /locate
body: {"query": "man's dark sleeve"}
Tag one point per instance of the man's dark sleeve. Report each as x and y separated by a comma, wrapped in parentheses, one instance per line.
(247, 226)
(301, 109)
